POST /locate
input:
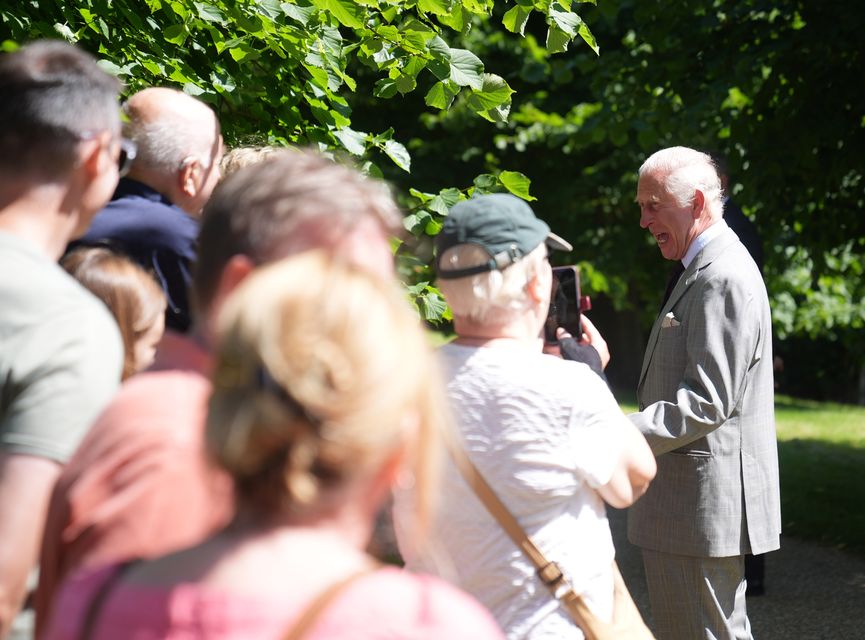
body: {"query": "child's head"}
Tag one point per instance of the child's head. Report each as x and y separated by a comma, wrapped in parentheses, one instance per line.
(130, 293)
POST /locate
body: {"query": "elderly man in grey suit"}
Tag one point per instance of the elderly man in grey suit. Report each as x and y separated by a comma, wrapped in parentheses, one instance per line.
(706, 408)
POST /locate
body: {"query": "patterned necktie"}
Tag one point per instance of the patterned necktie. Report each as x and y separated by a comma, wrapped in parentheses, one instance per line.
(677, 270)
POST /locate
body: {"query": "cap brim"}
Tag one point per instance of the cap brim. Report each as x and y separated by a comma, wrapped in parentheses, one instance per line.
(558, 243)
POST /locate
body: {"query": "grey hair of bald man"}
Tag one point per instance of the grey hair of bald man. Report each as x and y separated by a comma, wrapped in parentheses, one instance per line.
(166, 139)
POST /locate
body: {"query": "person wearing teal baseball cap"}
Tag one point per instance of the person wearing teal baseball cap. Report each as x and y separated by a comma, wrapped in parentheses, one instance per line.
(544, 432)
(502, 224)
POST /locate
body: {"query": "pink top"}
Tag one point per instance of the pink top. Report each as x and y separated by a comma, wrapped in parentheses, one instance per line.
(139, 484)
(387, 604)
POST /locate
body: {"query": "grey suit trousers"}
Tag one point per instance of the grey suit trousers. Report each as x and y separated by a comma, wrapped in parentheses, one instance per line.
(694, 598)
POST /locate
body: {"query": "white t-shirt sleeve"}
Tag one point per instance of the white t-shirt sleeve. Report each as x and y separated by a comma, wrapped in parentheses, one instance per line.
(595, 430)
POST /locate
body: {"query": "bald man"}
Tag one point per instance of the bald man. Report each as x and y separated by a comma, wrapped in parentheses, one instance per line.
(153, 216)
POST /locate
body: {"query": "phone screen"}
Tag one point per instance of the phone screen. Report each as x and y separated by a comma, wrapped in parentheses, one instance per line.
(564, 304)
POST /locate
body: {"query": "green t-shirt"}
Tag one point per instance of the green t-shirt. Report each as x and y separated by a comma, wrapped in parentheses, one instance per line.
(60, 354)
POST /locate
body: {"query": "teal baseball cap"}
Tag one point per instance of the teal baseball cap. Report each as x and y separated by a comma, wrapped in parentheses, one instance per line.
(500, 223)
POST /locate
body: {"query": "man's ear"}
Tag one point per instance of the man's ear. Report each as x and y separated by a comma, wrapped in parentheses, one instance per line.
(190, 177)
(91, 156)
(235, 271)
(535, 287)
(698, 204)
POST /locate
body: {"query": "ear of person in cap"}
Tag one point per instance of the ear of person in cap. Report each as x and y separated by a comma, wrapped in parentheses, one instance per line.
(502, 224)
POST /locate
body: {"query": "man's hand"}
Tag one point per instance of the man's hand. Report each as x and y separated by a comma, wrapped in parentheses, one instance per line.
(591, 336)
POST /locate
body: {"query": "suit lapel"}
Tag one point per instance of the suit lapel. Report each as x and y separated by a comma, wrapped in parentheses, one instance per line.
(689, 277)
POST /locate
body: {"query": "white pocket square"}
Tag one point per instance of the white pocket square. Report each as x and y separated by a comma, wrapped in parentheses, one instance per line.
(669, 321)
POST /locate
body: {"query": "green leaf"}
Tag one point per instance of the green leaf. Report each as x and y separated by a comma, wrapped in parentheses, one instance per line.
(209, 13)
(320, 77)
(440, 65)
(456, 19)
(441, 95)
(478, 7)
(388, 32)
(192, 89)
(108, 66)
(485, 183)
(420, 195)
(438, 7)
(567, 21)
(270, 8)
(433, 227)
(353, 141)
(493, 101)
(589, 38)
(466, 69)
(103, 29)
(385, 88)
(175, 34)
(557, 40)
(411, 222)
(303, 15)
(405, 83)
(445, 199)
(399, 154)
(348, 13)
(223, 82)
(243, 51)
(406, 78)
(153, 67)
(431, 306)
(414, 42)
(515, 19)
(371, 169)
(517, 183)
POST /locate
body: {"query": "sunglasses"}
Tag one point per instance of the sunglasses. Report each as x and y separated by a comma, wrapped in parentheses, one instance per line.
(128, 151)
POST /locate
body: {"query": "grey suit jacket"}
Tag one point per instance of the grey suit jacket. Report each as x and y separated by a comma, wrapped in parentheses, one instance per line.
(706, 397)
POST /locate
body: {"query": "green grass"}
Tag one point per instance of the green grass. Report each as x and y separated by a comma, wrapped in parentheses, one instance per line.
(821, 450)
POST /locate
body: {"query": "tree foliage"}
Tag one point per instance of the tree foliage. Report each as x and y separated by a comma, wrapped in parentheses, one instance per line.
(284, 72)
(775, 87)
(447, 98)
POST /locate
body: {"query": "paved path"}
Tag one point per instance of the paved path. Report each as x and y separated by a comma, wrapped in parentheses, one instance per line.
(811, 591)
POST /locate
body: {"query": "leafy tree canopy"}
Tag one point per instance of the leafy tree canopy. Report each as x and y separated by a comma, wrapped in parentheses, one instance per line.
(285, 72)
(447, 98)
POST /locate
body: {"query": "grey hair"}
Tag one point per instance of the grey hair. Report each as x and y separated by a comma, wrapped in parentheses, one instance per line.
(687, 170)
(498, 295)
(165, 144)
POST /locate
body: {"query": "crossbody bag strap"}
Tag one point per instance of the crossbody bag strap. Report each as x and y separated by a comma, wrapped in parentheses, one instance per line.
(548, 571)
(314, 610)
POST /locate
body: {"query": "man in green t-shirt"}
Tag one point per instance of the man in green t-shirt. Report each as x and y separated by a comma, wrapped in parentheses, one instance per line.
(60, 350)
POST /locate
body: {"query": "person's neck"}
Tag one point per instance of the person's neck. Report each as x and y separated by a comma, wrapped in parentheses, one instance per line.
(344, 528)
(153, 180)
(516, 333)
(36, 217)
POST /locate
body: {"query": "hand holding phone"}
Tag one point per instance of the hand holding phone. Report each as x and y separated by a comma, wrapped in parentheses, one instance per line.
(566, 304)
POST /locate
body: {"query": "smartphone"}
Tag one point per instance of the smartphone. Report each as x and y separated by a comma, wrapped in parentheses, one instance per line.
(566, 304)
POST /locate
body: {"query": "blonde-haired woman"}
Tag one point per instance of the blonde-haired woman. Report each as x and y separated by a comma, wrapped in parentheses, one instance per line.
(325, 392)
(132, 295)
